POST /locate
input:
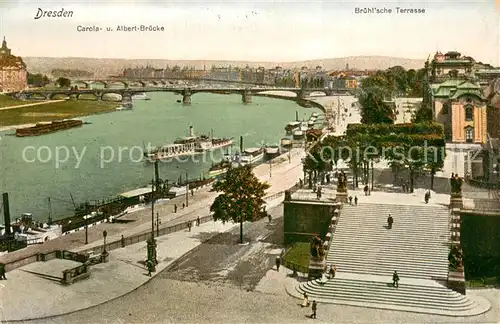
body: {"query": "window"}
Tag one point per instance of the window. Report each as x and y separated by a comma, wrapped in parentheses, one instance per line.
(469, 113)
(469, 134)
(446, 108)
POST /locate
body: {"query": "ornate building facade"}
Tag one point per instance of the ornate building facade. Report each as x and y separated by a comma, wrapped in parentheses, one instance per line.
(461, 107)
(13, 73)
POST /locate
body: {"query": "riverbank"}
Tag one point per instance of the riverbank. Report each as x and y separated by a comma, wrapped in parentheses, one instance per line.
(18, 116)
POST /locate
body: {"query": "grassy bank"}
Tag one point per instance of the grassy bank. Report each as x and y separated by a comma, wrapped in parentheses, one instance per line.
(53, 111)
(6, 101)
(298, 254)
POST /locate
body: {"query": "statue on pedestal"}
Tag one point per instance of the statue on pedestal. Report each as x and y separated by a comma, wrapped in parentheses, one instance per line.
(342, 182)
(456, 185)
(317, 249)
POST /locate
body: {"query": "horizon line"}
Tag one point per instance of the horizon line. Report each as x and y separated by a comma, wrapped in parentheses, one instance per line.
(231, 60)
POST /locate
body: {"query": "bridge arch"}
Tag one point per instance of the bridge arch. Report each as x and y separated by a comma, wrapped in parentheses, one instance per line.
(137, 83)
(112, 96)
(80, 84)
(285, 93)
(59, 96)
(317, 94)
(117, 84)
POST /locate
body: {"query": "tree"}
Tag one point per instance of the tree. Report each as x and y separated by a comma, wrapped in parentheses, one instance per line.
(63, 82)
(37, 80)
(374, 109)
(422, 115)
(241, 198)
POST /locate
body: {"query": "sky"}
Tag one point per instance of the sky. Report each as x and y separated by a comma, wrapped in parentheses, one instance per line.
(269, 31)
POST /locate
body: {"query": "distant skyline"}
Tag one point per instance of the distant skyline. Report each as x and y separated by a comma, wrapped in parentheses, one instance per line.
(265, 31)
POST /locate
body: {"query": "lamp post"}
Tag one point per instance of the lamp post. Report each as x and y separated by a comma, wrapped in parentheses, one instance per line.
(152, 209)
(158, 222)
(270, 168)
(187, 190)
(104, 235)
(373, 171)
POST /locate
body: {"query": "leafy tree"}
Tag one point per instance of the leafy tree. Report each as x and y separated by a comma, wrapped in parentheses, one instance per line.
(374, 109)
(38, 80)
(423, 115)
(63, 82)
(241, 197)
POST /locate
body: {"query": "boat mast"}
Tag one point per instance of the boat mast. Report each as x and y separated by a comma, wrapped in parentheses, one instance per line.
(211, 133)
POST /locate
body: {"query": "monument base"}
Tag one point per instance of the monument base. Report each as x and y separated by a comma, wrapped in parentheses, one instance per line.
(456, 281)
(456, 202)
(316, 268)
(342, 197)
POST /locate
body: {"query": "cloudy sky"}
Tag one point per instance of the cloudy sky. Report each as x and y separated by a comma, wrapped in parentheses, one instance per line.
(256, 31)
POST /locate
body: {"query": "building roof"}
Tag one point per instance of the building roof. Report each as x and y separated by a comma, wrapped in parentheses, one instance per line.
(454, 62)
(454, 89)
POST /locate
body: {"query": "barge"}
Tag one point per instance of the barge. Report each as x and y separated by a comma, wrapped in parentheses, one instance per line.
(48, 127)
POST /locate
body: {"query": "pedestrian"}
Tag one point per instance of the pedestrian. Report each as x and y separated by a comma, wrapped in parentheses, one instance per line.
(350, 200)
(198, 221)
(427, 196)
(278, 263)
(270, 218)
(314, 307)
(192, 192)
(390, 221)
(356, 200)
(189, 225)
(305, 301)
(365, 189)
(123, 241)
(175, 208)
(404, 187)
(395, 279)
(183, 205)
(150, 267)
(2, 272)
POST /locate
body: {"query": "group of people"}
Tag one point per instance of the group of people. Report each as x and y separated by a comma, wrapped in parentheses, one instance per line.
(355, 200)
(190, 223)
(314, 305)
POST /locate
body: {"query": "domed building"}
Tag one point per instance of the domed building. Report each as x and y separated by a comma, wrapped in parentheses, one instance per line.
(13, 73)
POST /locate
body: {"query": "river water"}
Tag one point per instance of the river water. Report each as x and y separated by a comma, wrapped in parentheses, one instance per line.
(95, 168)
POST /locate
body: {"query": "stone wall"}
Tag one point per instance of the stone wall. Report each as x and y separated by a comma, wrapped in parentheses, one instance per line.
(303, 218)
(480, 239)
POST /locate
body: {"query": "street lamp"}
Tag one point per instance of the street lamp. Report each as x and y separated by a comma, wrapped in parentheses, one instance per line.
(187, 189)
(104, 235)
(158, 222)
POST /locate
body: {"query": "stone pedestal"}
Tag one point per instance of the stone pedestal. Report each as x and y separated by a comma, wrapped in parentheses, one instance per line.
(456, 201)
(342, 197)
(186, 99)
(316, 268)
(105, 257)
(246, 98)
(456, 281)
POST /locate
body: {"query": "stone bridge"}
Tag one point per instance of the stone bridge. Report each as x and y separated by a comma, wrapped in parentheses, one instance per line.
(127, 92)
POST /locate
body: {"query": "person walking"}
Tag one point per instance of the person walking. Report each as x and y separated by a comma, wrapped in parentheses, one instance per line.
(356, 200)
(189, 225)
(395, 279)
(150, 267)
(278, 263)
(198, 221)
(314, 307)
(390, 221)
(175, 208)
(350, 200)
(427, 196)
(305, 301)
(2, 272)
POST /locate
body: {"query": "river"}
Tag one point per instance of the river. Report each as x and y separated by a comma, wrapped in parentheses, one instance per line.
(95, 168)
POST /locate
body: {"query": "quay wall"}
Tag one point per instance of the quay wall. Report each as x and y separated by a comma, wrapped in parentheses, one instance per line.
(141, 237)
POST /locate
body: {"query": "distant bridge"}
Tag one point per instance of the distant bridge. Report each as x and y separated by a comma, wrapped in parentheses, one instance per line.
(145, 81)
(127, 92)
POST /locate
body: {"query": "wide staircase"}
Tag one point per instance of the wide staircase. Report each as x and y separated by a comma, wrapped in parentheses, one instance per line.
(366, 253)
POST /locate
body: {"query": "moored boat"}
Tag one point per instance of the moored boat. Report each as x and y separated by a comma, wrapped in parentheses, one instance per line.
(272, 152)
(219, 169)
(189, 145)
(251, 155)
(48, 127)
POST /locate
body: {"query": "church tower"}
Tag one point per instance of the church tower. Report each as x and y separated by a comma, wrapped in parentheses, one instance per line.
(4, 50)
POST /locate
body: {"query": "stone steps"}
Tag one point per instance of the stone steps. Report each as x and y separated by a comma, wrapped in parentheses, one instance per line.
(408, 297)
(416, 246)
